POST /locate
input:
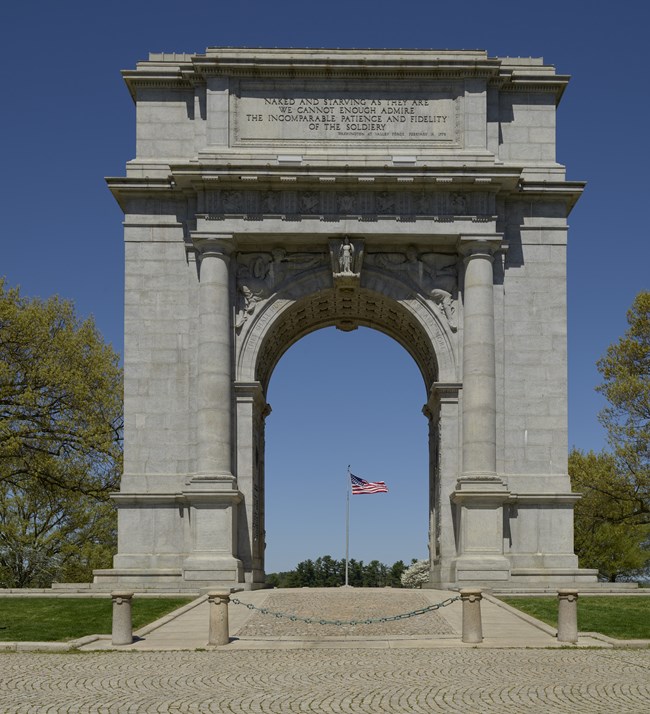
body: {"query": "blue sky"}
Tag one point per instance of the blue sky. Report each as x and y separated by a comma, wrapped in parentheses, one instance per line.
(68, 121)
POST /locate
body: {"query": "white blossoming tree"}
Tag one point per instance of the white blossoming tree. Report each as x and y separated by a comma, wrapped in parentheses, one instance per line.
(416, 575)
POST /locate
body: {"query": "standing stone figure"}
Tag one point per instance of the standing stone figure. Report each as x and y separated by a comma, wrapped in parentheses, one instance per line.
(346, 255)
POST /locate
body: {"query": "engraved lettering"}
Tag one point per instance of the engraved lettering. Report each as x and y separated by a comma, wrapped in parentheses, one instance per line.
(339, 116)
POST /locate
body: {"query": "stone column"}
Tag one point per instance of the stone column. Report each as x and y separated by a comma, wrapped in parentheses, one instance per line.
(122, 631)
(214, 400)
(218, 633)
(211, 493)
(480, 493)
(472, 625)
(479, 378)
(567, 615)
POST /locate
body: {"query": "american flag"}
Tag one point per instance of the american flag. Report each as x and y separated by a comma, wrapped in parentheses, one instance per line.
(359, 486)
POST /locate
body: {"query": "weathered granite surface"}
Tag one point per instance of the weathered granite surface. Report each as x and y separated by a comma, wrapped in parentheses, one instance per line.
(274, 192)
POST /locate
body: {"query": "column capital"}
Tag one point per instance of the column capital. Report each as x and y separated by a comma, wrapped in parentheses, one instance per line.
(480, 246)
(213, 244)
(252, 392)
(441, 393)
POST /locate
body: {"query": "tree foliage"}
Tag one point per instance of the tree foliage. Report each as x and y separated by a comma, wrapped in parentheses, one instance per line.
(609, 534)
(416, 575)
(626, 385)
(326, 572)
(60, 441)
(612, 521)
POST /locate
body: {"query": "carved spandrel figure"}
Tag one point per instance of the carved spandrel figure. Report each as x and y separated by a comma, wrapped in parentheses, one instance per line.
(447, 305)
(426, 275)
(253, 288)
(262, 274)
(407, 263)
(444, 278)
(346, 256)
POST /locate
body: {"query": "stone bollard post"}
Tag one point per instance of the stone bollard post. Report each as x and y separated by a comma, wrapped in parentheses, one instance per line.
(218, 618)
(472, 628)
(122, 623)
(567, 615)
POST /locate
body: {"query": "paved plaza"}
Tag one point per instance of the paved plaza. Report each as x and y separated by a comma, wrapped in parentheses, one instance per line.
(277, 665)
(328, 680)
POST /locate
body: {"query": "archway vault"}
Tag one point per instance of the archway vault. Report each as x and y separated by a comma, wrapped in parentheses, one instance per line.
(378, 303)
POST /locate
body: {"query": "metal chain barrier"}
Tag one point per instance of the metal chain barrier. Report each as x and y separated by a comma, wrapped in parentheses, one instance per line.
(369, 621)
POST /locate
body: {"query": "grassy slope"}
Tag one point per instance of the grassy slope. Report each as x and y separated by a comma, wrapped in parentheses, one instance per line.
(43, 619)
(616, 616)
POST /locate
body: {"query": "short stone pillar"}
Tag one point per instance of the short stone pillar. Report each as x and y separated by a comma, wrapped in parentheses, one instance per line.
(567, 615)
(122, 622)
(472, 627)
(218, 634)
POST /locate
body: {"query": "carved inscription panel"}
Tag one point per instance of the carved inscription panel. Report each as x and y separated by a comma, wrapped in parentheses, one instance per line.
(298, 112)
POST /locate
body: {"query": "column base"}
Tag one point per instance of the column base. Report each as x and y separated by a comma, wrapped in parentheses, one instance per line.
(481, 570)
(213, 569)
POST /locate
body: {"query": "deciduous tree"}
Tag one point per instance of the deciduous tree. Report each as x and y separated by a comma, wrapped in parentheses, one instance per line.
(60, 440)
(609, 535)
(612, 521)
(626, 385)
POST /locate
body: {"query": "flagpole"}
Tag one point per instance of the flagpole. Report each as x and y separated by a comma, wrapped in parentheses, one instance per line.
(347, 527)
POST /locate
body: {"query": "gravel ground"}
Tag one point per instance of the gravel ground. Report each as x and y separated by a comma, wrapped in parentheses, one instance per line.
(342, 605)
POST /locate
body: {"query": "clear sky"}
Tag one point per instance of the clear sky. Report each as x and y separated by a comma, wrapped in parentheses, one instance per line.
(338, 399)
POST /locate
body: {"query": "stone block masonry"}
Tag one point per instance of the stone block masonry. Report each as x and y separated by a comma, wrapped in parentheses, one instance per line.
(274, 192)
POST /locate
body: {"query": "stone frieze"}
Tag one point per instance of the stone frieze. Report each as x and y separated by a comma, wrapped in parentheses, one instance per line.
(239, 202)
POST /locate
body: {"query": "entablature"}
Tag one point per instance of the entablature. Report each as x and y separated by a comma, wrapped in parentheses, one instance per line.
(304, 190)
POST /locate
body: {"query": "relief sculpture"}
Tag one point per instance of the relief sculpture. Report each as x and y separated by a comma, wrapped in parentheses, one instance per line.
(431, 274)
(260, 274)
(253, 286)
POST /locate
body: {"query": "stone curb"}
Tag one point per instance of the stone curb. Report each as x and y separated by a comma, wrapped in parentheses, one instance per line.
(36, 646)
(621, 644)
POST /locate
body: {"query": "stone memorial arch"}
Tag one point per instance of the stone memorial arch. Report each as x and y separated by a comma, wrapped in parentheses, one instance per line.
(275, 192)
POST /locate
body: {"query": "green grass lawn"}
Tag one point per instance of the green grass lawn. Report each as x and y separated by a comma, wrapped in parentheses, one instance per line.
(47, 619)
(626, 618)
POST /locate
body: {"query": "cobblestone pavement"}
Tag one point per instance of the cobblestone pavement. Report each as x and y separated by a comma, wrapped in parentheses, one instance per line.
(324, 680)
(345, 605)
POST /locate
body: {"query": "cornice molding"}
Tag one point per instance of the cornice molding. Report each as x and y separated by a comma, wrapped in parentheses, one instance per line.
(184, 71)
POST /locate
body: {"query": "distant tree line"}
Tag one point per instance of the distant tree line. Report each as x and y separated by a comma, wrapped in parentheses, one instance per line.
(326, 572)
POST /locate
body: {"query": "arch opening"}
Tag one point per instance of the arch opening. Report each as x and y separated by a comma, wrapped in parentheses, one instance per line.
(344, 399)
(285, 321)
